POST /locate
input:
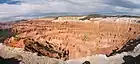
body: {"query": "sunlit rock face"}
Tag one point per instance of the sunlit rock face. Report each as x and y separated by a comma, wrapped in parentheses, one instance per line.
(70, 18)
(20, 56)
(73, 40)
(128, 54)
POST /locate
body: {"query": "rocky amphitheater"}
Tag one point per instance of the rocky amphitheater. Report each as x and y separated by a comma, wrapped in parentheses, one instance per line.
(70, 40)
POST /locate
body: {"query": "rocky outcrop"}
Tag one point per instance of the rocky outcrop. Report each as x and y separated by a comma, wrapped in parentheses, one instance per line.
(15, 42)
(9, 61)
(131, 60)
(19, 56)
(24, 57)
(30, 45)
(72, 40)
(129, 46)
(46, 50)
(80, 39)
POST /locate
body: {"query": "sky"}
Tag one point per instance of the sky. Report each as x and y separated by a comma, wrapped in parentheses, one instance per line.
(24, 9)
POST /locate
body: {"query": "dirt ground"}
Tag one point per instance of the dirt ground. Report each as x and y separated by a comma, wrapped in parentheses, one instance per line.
(79, 39)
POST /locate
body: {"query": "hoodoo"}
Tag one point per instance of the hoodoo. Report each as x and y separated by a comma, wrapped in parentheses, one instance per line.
(71, 40)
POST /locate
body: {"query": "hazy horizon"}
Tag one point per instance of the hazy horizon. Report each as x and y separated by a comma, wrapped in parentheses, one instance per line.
(24, 9)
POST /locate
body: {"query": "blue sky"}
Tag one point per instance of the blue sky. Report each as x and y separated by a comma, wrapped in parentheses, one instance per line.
(9, 2)
(20, 9)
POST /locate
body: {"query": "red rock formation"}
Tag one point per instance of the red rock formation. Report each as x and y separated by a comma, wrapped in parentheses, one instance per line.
(15, 43)
(79, 38)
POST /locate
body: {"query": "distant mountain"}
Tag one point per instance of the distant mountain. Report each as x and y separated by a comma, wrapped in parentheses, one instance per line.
(40, 15)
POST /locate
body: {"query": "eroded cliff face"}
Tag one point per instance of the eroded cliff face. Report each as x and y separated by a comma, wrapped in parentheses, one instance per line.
(72, 40)
(128, 54)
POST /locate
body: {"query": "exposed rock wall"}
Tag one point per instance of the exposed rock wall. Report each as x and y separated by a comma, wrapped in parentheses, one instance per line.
(18, 55)
(75, 39)
(117, 19)
(70, 18)
(81, 39)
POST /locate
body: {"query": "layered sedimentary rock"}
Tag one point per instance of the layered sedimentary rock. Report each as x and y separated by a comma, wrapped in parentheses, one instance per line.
(74, 39)
(123, 56)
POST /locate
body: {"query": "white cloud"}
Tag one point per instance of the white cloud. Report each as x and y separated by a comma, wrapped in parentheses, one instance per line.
(32, 7)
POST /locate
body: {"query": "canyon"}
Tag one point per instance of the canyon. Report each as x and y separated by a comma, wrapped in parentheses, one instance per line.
(70, 38)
